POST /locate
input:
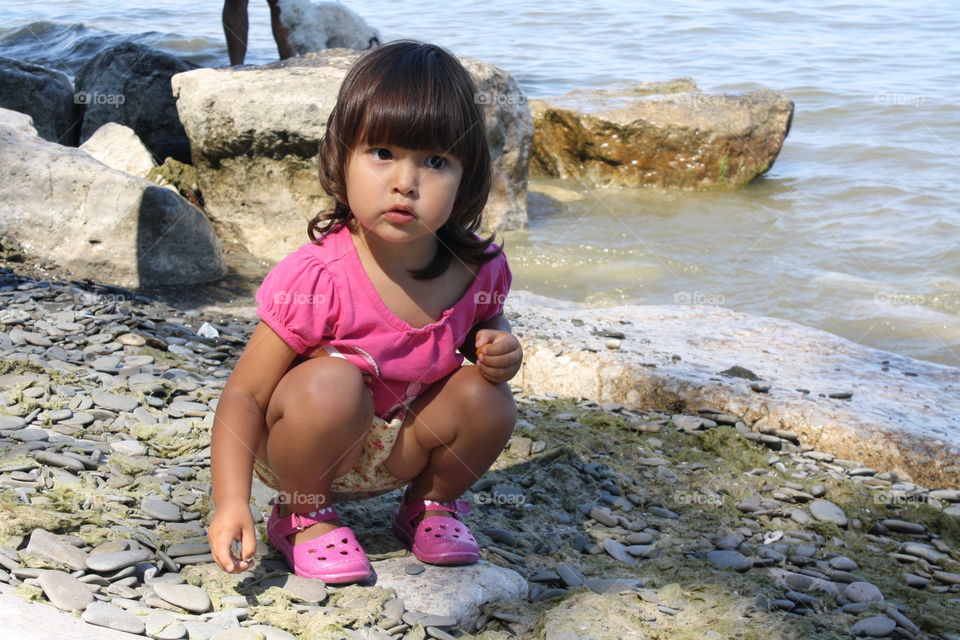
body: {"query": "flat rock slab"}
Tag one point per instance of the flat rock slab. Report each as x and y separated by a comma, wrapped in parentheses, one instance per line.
(893, 421)
(458, 592)
(64, 591)
(25, 620)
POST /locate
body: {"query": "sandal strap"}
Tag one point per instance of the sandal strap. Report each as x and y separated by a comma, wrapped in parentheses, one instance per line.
(416, 507)
(300, 521)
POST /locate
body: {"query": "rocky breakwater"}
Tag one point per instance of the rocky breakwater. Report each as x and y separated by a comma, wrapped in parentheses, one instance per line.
(254, 133)
(863, 408)
(663, 134)
(61, 205)
(598, 520)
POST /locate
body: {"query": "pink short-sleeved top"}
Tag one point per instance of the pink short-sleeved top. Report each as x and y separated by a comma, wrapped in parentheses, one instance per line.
(320, 296)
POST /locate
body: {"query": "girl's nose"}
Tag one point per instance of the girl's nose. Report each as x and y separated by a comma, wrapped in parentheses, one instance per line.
(405, 177)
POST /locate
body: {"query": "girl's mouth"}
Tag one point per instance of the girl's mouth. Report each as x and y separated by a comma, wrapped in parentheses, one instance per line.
(400, 215)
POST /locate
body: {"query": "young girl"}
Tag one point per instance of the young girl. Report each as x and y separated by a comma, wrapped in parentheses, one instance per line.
(351, 385)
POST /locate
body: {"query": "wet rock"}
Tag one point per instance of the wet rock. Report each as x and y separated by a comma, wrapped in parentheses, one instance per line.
(45, 95)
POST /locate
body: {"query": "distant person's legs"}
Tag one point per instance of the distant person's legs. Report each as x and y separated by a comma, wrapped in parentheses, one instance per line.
(280, 32)
(235, 27)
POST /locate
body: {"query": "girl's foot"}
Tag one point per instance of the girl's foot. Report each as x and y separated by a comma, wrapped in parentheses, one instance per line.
(311, 532)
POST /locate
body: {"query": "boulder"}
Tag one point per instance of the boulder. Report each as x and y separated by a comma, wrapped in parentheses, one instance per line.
(130, 84)
(903, 416)
(254, 133)
(20, 122)
(119, 147)
(640, 137)
(326, 25)
(61, 205)
(44, 94)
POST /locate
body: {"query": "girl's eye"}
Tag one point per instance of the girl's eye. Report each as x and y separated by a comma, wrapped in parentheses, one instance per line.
(436, 162)
(381, 154)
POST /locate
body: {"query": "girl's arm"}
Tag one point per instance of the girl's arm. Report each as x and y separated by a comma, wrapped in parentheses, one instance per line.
(238, 426)
(469, 346)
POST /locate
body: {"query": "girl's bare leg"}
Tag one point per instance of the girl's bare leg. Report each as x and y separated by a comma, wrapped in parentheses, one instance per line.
(452, 434)
(317, 420)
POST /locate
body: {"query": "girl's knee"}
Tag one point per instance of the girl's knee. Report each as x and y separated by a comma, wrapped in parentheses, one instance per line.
(319, 387)
(492, 401)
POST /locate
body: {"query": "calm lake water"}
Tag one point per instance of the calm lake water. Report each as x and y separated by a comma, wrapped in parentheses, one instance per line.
(855, 230)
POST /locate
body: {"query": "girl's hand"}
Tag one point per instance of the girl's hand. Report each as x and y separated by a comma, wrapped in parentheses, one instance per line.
(498, 355)
(232, 523)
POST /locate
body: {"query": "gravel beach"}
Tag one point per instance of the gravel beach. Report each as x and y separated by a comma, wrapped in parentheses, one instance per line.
(597, 521)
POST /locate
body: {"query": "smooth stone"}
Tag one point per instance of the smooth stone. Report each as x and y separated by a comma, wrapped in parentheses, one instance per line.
(160, 625)
(618, 552)
(236, 634)
(414, 569)
(188, 549)
(113, 617)
(30, 435)
(64, 591)
(604, 516)
(186, 596)
(570, 576)
(729, 560)
(843, 563)
(298, 588)
(613, 585)
(11, 422)
(874, 627)
(54, 548)
(114, 402)
(116, 560)
(161, 510)
(862, 592)
(129, 447)
(901, 620)
(500, 536)
(58, 460)
(638, 537)
(903, 526)
(826, 511)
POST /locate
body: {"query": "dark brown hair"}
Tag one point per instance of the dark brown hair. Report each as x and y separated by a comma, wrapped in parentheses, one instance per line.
(417, 96)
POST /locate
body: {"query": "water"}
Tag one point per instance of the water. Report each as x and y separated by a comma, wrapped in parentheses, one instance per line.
(855, 229)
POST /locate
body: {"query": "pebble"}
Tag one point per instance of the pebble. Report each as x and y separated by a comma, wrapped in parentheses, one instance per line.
(104, 562)
(902, 526)
(843, 563)
(107, 615)
(302, 589)
(64, 591)
(160, 625)
(114, 402)
(570, 576)
(52, 547)
(862, 592)
(414, 569)
(874, 627)
(186, 596)
(618, 552)
(161, 510)
(826, 511)
(729, 560)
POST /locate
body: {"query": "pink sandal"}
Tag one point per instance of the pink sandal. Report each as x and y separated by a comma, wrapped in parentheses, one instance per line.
(437, 539)
(334, 557)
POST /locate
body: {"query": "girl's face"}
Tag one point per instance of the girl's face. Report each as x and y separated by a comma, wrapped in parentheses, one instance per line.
(401, 194)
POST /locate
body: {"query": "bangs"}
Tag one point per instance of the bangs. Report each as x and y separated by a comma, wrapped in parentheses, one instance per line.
(414, 103)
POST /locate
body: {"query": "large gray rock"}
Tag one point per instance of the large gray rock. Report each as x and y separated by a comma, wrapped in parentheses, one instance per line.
(684, 139)
(19, 122)
(59, 204)
(130, 84)
(44, 94)
(459, 592)
(670, 359)
(254, 133)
